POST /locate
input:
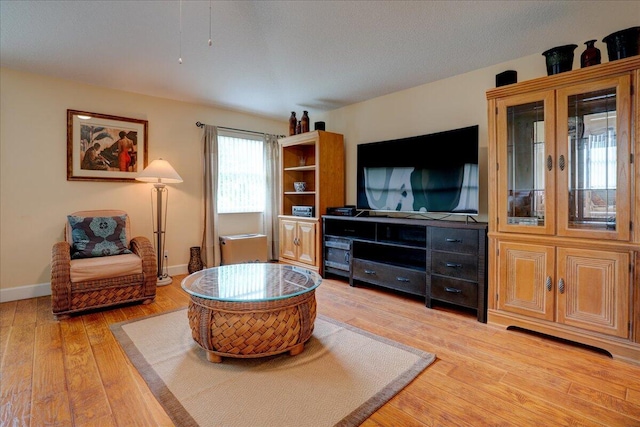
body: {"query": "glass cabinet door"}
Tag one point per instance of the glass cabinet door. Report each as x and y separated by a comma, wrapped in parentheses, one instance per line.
(525, 163)
(593, 159)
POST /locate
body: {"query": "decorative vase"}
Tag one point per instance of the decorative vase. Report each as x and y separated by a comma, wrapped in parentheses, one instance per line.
(623, 43)
(559, 59)
(304, 122)
(299, 127)
(591, 56)
(195, 261)
(292, 123)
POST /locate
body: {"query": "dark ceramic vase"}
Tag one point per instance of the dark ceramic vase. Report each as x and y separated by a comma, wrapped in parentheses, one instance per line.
(623, 44)
(195, 261)
(591, 55)
(559, 59)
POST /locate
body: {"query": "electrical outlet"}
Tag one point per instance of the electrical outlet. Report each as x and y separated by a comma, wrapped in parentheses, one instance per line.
(166, 254)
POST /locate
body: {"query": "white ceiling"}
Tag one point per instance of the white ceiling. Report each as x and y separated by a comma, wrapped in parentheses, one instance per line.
(273, 57)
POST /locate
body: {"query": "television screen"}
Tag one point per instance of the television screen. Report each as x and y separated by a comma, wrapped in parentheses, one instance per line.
(428, 173)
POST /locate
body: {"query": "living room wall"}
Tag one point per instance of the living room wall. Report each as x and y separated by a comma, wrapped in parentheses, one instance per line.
(36, 197)
(35, 193)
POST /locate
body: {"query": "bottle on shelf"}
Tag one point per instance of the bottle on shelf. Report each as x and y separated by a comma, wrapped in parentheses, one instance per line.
(304, 122)
(292, 123)
(591, 56)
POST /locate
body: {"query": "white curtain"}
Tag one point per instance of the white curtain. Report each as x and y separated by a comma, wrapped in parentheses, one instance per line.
(210, 237)
(272, 199)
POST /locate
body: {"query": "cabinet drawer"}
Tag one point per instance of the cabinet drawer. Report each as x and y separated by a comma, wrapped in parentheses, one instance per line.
(402, 279)
(454, 240)
(460, 266)
(336, 242)
(454, 291)
(337, 258)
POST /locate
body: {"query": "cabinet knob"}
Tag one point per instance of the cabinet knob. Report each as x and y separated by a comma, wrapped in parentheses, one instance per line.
(549, 163)
(548, 283)
(561, 286)
(561, 162)
(453, 290)
(450, 240)
(370, 272)
(402, 279)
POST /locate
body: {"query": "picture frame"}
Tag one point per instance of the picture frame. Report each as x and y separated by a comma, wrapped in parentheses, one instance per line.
(102, 147)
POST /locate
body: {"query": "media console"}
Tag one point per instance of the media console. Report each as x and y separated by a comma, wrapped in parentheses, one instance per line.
(442, 261)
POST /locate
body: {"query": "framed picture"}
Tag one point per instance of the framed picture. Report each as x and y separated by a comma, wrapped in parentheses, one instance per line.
(105, 148)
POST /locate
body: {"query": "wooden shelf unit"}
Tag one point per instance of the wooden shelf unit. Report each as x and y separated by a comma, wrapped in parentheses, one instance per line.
(316, 158)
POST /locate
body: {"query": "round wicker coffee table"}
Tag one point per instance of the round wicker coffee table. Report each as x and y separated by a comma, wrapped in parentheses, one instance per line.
(251, 310)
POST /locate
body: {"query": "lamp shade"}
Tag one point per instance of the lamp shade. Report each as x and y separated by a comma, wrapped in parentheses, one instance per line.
(159, 171)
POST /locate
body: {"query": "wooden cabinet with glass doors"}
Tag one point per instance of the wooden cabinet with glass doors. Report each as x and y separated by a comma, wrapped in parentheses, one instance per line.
(562, 247)
(317, 159)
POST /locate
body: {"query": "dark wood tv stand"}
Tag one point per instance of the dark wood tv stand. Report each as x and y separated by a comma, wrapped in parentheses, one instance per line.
(442, 261)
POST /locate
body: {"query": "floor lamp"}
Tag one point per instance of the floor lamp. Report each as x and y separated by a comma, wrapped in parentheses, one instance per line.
(159, 172)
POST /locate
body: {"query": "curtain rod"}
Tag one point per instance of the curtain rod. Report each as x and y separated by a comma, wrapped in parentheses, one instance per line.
(202, 125)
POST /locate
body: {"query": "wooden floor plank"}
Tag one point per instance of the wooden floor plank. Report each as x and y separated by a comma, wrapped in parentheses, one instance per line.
(7, 313)
(17, 365)
(26, 312)
(15, 409)
(583, 408)
(48, 369)
(87, 396)
(603, 398)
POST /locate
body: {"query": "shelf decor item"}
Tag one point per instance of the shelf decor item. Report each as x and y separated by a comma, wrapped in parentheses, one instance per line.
(559, 59)
(506, 78)
(591, 55)
(300, 186)
(623, 43)
(293, 122)
(304, 122)
(195, 260)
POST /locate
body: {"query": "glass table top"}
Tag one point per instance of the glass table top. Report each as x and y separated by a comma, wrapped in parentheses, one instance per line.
(251, 282)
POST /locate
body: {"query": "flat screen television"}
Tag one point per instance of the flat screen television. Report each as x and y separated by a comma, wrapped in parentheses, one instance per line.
(434, 173)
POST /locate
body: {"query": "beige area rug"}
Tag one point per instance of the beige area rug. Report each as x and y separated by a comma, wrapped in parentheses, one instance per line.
(343, 375)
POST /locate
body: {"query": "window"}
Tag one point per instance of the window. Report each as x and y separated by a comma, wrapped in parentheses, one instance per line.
(241, 173)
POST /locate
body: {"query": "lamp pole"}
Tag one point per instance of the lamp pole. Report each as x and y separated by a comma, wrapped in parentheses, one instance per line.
(160, 188)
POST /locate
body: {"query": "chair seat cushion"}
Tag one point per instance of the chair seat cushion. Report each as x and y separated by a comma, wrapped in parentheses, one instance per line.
(86, 269)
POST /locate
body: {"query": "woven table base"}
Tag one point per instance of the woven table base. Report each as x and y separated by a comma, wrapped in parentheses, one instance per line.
(252, 329)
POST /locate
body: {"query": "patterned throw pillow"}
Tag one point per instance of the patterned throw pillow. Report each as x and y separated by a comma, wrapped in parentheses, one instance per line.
(98, 236)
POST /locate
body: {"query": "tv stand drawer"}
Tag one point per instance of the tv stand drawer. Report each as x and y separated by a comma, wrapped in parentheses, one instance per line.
(388, 276)
(458, 266)
(454, 291)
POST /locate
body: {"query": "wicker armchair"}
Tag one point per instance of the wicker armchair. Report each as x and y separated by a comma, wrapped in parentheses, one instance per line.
(90, 283)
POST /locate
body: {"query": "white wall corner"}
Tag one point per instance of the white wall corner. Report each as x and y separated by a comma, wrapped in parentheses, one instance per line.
(25, 292)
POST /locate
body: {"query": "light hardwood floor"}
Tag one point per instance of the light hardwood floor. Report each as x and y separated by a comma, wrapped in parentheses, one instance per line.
(73, 372)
